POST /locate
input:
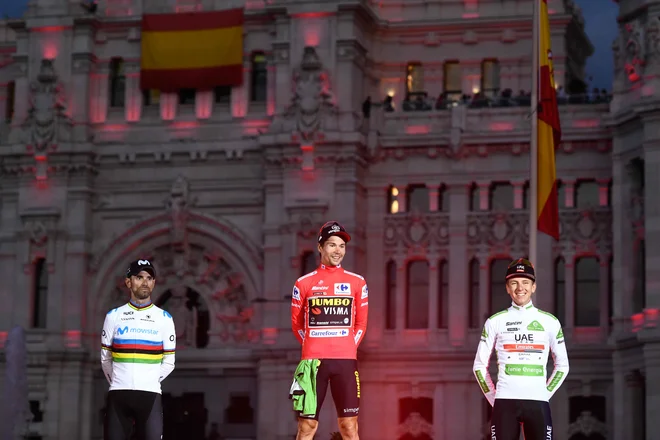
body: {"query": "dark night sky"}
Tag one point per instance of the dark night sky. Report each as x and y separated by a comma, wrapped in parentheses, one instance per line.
(600, 18)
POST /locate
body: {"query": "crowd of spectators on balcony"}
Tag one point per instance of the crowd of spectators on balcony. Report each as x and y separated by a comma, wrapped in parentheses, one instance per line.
(421, 101)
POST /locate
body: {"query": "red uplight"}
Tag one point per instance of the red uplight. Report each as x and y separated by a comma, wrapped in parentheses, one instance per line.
(417, 129)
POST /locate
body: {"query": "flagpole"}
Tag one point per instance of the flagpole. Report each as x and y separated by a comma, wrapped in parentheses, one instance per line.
(533, 144)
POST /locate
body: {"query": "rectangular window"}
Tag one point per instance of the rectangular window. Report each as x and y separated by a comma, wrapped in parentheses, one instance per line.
(117, 83)
(259, 79)
(453, 82)
(150, 97)
(490, 78)
(187, 96)
(414, 78)
(40, 294)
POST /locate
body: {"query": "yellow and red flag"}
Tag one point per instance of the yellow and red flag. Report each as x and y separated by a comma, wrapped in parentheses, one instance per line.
(549, 133)
(194, 50)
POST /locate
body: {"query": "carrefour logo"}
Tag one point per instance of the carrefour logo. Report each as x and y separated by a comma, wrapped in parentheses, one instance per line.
(328, 333)
(342, 289)
(142, 331)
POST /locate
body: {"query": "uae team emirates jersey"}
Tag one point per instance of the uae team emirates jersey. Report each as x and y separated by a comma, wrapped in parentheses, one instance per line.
(329, 313)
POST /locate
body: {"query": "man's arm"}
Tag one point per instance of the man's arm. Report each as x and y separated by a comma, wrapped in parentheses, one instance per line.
(106, 344)
(169, 345)
(560, 359)
(362, 313)
(482, 359)
(298, 313)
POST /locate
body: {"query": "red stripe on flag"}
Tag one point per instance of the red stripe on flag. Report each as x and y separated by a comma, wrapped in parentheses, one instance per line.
(548, 110)
(548, 221)
(172, 80)
(192, 21)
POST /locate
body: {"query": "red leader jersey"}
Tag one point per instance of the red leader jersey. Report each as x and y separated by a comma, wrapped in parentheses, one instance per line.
(329, 310)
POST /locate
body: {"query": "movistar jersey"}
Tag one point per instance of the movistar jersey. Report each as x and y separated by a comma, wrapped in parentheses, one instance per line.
(137, 347)
(522, 337)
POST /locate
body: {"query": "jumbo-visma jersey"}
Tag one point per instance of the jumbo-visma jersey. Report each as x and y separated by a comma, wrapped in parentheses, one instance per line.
(137, 347)
(329, 309)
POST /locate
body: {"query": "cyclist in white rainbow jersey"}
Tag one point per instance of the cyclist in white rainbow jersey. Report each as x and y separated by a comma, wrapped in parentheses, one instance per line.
(522, 336)
(137, 354)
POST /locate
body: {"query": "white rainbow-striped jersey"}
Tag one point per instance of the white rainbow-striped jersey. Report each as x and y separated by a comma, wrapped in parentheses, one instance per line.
(137, 347)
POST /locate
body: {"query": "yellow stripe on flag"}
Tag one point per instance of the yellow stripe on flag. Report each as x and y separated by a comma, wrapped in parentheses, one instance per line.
(192, 49)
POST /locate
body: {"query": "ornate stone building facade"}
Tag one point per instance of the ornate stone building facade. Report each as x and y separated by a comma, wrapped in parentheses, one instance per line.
(412, 132)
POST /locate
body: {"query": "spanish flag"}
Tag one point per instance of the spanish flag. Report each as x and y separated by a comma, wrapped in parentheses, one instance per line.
(195, 50)
(549, 133)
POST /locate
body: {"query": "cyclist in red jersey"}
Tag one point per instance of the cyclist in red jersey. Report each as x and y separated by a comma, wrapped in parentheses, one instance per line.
(329, 308)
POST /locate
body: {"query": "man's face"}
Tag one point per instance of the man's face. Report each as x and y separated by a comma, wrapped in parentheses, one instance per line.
(141, 285)
(520, 290)
(332, 251)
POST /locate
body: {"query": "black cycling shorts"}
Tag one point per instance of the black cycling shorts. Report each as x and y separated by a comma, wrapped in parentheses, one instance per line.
(344, 383)
(510, 414)
(128, 409)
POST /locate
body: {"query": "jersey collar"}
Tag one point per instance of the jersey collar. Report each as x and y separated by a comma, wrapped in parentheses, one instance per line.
(140, 307)
(330, 268)
(529, 306)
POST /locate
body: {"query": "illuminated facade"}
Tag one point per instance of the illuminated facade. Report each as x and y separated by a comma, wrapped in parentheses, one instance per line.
(225, 189)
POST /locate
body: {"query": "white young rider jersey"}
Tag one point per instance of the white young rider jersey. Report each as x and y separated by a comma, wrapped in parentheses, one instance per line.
(137, 347)
(522, 337)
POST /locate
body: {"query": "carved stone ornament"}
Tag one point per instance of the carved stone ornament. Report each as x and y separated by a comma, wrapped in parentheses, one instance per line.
(586, 424)
(312, 108)
(46, 123)
(178, 203)
(630, 50)
(416, 232)
(588, 230)
(498, 230)
(414, 426)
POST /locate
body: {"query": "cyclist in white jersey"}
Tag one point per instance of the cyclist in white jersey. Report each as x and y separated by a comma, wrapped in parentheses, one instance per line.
(137, 354)
(522, 336)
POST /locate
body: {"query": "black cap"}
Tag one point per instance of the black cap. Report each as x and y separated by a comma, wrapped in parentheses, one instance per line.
(521, 268)
(138, 266)
(333, 228)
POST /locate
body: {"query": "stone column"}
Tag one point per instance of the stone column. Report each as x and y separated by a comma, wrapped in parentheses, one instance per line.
(81, 93)
(98, 99)
(621, 243)
(376, 273)
(652, 216)
(434, 196)
(459, 280)
(652, 373)
(484, 195)
(621, 396)
(518, 194)
(282, 60)
(634, 408)
(132, 93)
(569, 193)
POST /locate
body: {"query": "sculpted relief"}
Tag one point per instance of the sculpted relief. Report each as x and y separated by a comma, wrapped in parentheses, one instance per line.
(636, 49)
(312, 104)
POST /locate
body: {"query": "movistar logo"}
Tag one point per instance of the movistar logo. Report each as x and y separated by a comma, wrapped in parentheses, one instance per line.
(143, 331)
(535, 326)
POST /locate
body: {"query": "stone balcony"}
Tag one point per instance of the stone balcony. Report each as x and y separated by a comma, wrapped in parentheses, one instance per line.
(503, 124)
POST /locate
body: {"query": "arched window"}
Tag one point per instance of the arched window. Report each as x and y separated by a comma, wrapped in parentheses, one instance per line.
(259, 77)
(473, 302)
(587, 292)
(117, 83)
(308, 262)
(443, 294)
(499, 298)
(560, 290)
(40, 294)
(417, 295)
(390, 295)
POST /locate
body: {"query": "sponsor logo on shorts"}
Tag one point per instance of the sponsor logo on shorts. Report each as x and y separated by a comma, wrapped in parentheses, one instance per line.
(342, 289)
(328, 333)
(351, 410)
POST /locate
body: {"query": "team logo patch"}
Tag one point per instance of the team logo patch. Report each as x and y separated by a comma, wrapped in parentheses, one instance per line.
(342, 289)
(365, 292)
(295, 294)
